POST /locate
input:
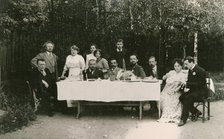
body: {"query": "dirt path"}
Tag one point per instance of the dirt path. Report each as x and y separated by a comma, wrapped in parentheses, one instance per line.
(120, 127)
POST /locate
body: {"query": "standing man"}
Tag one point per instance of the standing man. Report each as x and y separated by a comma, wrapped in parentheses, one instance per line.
(49, 57)
(120, 55)
(195, 90)
(42, 84)
(136, 69)
(155, 71)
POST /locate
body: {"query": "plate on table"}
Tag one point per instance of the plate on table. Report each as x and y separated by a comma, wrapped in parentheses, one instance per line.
(131, 80)
(91, 80)
(150, 81)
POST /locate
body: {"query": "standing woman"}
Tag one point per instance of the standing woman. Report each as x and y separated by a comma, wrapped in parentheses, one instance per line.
(91, 55)
(101, 63)
(75, 64)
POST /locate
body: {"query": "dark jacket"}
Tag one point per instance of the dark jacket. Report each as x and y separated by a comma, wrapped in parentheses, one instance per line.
(36, 81)
(138, 71)
(120, 57)
(160, 71)
(196, 81)
(93, 74)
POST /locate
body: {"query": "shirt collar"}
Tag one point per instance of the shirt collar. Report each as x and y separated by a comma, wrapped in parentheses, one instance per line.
(192, 67)
(119, 50)
(49, 53)
(155, 67)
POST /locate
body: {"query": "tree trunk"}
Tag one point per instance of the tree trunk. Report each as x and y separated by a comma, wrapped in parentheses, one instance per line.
(131, 15)
(196, 47)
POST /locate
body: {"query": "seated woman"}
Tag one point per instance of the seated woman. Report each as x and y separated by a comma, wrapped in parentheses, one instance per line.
(170, 105)
(101, 63)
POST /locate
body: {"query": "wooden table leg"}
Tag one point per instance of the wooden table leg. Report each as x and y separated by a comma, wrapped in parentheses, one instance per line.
(79, 110)
(140, 110)
(159, 110)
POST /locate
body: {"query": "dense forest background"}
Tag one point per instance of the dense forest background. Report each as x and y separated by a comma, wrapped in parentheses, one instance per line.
(164, 28)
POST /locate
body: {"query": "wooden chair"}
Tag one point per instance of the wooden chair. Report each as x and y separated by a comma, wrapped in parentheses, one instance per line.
(205, 102)
(33, 95)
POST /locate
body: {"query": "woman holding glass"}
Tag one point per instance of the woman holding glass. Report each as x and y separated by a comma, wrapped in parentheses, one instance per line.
(170, 104)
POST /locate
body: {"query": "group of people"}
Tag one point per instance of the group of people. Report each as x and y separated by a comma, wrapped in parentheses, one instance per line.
(180, 92)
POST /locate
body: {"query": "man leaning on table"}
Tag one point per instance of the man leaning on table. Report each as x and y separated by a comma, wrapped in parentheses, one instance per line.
(114, 71)
(92, 72)
(136, 69)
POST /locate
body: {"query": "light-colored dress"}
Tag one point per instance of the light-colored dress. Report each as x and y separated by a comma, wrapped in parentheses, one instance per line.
(89, 57)
(75, 65)
(102, 65)
(170, 104)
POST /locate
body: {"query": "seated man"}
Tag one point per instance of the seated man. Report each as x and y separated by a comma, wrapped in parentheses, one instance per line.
(114, 70)
(92, 72)
(42, 84)
(136, 69)
(195, 90)
(155, 71)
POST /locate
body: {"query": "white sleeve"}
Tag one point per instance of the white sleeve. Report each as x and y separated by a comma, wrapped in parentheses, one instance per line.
(82, 62)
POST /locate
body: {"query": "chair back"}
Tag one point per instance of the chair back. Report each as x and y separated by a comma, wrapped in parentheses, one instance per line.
(208, 77)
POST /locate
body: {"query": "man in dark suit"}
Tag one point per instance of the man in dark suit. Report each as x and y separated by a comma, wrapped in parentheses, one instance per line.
(136, 69)
(195, 90)
(120, 54)
(155, 71)
(51, 62)
(42, 84)
(92, 72)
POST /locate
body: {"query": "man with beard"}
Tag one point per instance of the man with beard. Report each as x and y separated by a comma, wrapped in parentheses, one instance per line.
(136, 69)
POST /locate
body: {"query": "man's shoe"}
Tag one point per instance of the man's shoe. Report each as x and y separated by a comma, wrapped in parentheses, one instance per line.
(195, 116)
(181, 123)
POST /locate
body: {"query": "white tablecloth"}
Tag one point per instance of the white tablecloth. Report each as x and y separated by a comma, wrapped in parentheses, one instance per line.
(107, 91)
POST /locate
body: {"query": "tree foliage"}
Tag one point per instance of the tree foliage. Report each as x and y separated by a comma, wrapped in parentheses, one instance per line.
(144, 24)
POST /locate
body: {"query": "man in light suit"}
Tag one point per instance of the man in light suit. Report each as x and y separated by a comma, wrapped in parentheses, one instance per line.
(49, 57)
(195, 90)
(114, 70)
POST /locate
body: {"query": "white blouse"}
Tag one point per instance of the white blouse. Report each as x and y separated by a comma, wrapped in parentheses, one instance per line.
(173, 76)
(75, 65)
(89, 57)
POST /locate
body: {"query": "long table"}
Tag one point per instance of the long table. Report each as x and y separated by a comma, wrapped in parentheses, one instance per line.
(107, 91)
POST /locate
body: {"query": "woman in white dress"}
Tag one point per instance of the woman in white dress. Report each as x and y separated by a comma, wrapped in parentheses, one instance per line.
(91, 55)
(170, 105)
(75, 64)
